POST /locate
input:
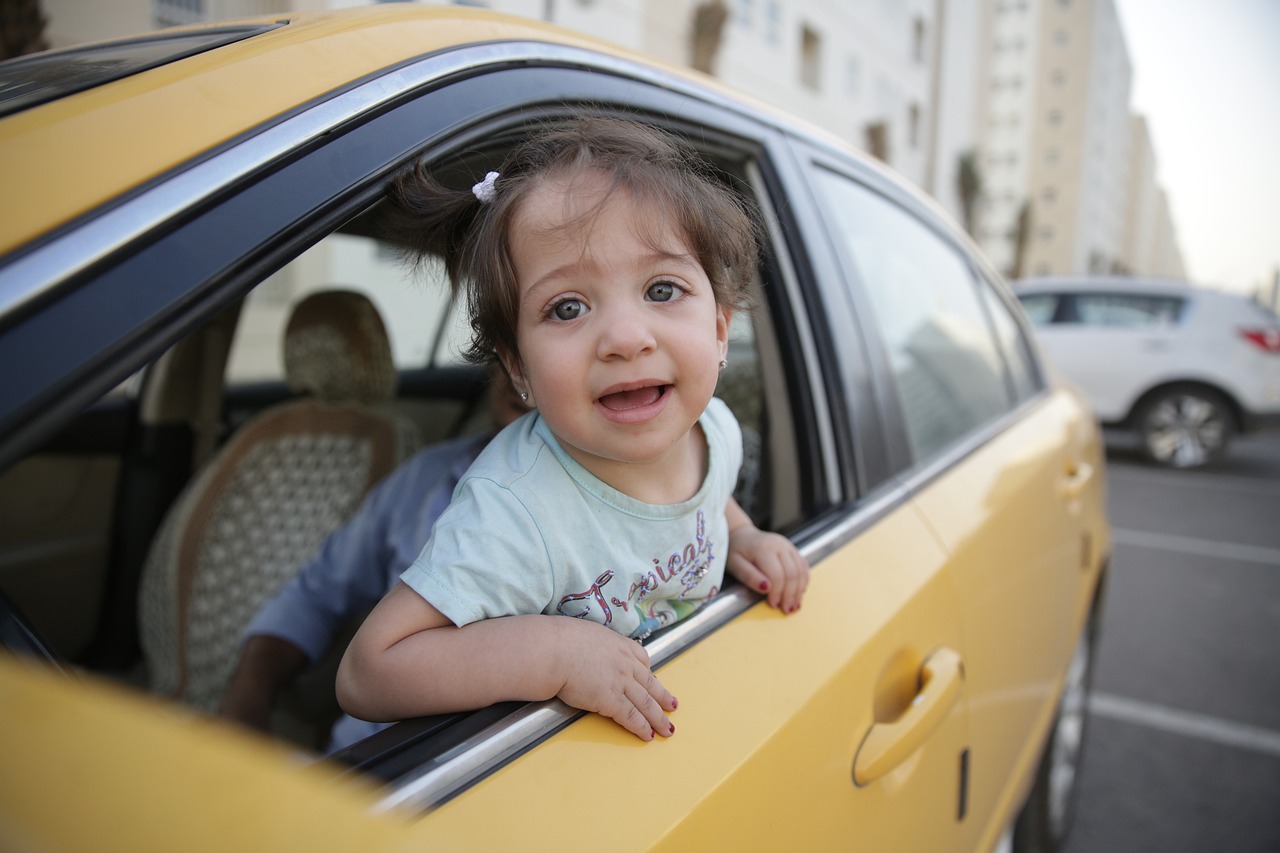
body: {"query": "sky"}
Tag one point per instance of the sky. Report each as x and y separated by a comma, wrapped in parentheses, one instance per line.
(1206, 74)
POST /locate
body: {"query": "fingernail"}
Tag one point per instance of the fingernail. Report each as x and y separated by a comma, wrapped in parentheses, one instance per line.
(673, 730)
(652, 734)
(764, 586)
(675, 703)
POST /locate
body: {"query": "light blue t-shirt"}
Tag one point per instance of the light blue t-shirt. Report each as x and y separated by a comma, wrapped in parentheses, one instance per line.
(529, 530)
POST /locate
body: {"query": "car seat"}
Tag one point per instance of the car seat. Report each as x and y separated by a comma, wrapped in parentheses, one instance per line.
(261, 507)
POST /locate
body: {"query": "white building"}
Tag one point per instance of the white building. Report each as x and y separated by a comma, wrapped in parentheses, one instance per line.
(1062, 185)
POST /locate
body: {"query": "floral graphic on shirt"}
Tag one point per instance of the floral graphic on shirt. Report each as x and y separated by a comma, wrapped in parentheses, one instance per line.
(661, 595)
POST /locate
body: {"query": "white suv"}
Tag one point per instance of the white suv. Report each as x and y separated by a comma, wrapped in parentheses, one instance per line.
(1185, 367)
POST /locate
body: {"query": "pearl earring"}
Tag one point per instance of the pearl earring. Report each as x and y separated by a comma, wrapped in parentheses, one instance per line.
(524, 396)
(723, 364)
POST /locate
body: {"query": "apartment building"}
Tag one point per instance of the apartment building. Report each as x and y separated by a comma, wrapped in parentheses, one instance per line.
(1069, 176)
(1150, 246)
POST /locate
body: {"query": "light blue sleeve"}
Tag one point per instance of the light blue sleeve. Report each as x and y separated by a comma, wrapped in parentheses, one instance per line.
(486, 558)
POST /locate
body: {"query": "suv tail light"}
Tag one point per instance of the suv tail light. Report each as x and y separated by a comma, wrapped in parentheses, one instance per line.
(1267, 339)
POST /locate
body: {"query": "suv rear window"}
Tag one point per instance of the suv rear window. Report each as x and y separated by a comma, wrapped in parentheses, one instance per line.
(1123, 310)
(1127, 309)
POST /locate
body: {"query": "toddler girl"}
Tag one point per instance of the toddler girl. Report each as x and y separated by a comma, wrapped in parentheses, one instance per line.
(602, 267)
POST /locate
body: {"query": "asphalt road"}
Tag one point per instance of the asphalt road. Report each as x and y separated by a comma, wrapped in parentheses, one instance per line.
(1183, 746)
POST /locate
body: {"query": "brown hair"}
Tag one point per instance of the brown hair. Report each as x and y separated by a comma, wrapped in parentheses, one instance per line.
(474, 238)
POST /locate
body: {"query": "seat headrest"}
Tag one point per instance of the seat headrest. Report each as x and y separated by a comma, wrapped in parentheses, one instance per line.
(336, 348)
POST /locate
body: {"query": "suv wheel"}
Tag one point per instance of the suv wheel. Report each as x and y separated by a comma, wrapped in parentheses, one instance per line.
(1185, 427)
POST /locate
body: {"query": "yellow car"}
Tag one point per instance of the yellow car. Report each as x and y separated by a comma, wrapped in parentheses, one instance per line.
(175, 208)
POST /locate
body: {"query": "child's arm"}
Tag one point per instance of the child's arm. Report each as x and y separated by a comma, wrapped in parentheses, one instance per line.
(765, 561)
(409, 660)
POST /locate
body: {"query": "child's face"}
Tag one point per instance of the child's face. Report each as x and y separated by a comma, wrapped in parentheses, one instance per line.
(620, 339)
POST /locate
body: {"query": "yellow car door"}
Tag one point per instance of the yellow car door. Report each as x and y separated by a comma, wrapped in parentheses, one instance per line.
(838, 727)
(1034, 581)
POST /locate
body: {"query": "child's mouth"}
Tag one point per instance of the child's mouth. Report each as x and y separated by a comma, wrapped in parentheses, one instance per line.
(637, 398)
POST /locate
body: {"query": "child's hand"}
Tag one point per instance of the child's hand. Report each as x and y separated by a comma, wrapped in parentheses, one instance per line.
(769, 563)
(609, 674)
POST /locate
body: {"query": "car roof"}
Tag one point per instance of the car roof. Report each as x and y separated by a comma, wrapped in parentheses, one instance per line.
(106, 136)
(120, 134)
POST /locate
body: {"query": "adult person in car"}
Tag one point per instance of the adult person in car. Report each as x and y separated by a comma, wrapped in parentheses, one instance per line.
(353, 570)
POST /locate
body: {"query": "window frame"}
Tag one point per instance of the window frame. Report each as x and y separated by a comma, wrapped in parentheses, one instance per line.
(856, 295)
(264, 199)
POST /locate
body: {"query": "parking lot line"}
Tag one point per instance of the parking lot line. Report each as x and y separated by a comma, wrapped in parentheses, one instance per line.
(1202, 547)
(1186, 723)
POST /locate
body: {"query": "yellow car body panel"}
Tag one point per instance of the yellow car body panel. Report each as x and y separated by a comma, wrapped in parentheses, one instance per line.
(83, 755)
(1016, 583)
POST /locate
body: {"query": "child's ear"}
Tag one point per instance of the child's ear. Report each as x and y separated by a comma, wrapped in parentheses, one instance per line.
(511, 364)
(724, 316)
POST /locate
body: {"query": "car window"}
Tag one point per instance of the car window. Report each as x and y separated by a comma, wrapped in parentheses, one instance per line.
(947, 370)
(1127, 309)
(413, 303)
(1039, 307)
(1023, 377)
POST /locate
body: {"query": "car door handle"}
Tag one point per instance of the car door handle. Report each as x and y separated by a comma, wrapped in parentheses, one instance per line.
(1078, 477)
(889, 744)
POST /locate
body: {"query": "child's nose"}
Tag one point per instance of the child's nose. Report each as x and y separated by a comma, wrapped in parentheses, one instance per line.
(625, 333)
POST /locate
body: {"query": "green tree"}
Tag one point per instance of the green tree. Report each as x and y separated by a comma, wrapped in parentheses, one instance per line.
(1021, 236)
(969, 185)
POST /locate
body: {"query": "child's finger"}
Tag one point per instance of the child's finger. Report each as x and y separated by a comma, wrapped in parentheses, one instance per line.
(797, 574)
(749, 574)
(642, 698)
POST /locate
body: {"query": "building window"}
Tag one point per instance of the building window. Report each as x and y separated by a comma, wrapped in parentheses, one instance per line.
(175, 13)
(913, 126)
(810, 58)
(853, 76)
(917, 40)
(772, 21)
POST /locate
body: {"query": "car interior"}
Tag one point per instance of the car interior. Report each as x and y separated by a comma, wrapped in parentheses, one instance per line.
(140, 539)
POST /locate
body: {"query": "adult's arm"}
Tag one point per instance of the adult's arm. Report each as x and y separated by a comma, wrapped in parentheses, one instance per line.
(266, 664)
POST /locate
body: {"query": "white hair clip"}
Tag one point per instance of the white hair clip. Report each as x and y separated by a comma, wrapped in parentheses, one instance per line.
(486, 191)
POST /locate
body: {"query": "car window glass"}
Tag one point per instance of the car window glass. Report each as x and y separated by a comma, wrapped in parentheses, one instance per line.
(1126, 309)
(1013, 344)
(1039, 307)
(412, 305)
(946, 368)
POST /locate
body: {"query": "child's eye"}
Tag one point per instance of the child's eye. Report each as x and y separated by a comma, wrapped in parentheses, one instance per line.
(569, 309)
(662, 291)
